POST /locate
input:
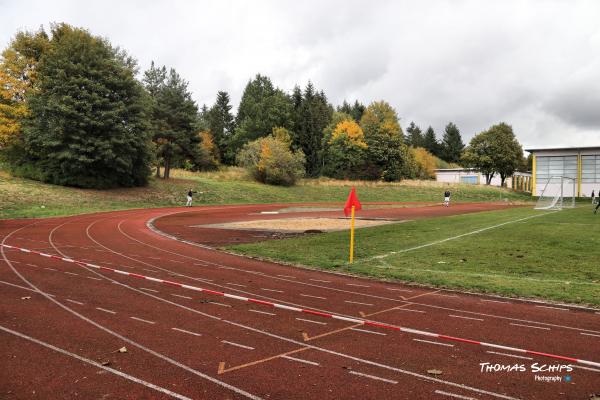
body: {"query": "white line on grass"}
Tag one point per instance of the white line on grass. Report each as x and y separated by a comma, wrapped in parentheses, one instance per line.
(456, 237)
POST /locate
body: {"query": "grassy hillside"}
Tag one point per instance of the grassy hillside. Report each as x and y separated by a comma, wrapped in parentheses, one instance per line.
(553, 255)
(26, 198)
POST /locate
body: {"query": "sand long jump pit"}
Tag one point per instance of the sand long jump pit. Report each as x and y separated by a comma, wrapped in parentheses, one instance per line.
(301, 225)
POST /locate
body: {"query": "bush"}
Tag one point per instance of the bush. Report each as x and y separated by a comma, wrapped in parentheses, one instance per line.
(270, 160)
(345, 151)
(426, 163)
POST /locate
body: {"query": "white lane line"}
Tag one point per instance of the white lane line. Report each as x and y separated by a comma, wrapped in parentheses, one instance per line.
(586, 368)
(496, 301)
(32, 265)
(368, 331)
(456, 396)
(287, 276)
(143, 320)
(149, 270)
(71, 273)
(356, 284)
(530, 326)
(431, 342)
(357, 302)
(509, 355)
(272, 290)
(319, 280)
(94, 278)
(589, 334)
(235, 284)
(377, 378)
(311, 321)
(399, 290)
(49, 269)
(314, 297)
(460, 316)
(408, 309)
(106, 311)
(444, 295)
(262, 312)
(76, 302)
(178, 262)
(243, 346)
(183, 297)
(98, 365)
(216, 303)
(554, 308)
(149, 290)
(188, 332)
(300, 360)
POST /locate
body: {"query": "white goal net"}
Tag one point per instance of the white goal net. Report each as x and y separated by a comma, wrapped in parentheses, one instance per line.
(558, 193)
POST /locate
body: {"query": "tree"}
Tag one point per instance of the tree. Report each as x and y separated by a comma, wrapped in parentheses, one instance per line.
(480, 154)
(355, 110)
(387, 156)
(271, 160)
(88, 115)
(425, 161)
(262, 108)
(452, 145)
(312, 114)
(208, 153)
(508, 153)
(18, 77)
(414, 137)
(221, 125)
(174, 118)
(345, 151)
(430, 142)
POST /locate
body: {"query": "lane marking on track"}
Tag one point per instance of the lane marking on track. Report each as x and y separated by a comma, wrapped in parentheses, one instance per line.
(460, 316)
(149, 270)
(272, 290)
(588, 334)
(314, 297)
(357, 285)
(221, 369)
(509, 355)
(495, 301)
(319, 280)
(554, 308)
(235, 284)
(262, 312)
(368, 331)
(178, 262)
(183, 297)
(311, 321)
(32, 265)
(456, 396)
(149, 290)
(76, 302)
(50, 269)
(358, 302)
(445, 295)
(399, 290)
(432, 342)
(377, 378)
(287, 276)
(143, 320)
(216, 303)
(188, 332)
(71, 273)
(106, 311)
(530, 326)
(243, 346)
(94, 278)
(408, 309)
(97, 365)
(316, 364)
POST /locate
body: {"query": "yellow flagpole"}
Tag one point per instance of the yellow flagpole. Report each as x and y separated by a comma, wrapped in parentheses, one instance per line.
(352, 237)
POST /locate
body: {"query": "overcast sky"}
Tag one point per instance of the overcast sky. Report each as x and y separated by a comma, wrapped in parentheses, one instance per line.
(532, 64)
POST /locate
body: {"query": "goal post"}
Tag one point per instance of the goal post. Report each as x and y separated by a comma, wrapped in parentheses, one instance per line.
(558, 193)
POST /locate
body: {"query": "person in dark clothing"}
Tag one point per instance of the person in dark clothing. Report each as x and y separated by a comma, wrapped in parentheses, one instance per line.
(597, 206)
(189, 197)
(446, 198)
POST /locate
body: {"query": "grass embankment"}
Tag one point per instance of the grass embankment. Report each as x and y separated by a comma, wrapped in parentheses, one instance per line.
(553, 256)
(25, 198)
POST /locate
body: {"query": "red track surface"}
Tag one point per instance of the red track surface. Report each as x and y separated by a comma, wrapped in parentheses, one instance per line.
(202, 347)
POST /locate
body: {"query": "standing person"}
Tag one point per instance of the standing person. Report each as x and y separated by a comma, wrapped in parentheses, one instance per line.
(446, 198)
(597, 206)
(189, 197)
(593, 198)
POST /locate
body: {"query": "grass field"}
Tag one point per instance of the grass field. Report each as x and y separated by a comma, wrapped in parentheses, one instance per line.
(554, 255)
(26, 198)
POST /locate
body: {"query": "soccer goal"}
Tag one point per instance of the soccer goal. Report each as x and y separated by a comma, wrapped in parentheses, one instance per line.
(558, 193)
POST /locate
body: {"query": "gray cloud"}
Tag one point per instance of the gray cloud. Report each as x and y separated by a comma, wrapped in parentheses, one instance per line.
(532, 64)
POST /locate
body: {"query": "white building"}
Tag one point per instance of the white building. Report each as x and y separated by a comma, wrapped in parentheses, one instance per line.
(520, 180)
(580, 163)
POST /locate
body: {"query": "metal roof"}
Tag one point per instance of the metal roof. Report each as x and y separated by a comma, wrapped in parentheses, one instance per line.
(564, 148)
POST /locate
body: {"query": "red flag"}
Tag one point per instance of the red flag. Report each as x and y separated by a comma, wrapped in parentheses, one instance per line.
(352, 201)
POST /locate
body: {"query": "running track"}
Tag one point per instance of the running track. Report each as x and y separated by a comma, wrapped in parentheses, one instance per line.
(61, 324)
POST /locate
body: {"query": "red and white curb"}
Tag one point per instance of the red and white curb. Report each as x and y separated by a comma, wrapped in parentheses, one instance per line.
(307, 311)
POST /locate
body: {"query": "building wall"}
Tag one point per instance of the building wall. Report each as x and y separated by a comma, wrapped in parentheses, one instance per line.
(583, 166)
(474, 177)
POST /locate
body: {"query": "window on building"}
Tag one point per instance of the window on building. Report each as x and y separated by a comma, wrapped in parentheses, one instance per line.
(549, 166)
(590, 169)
